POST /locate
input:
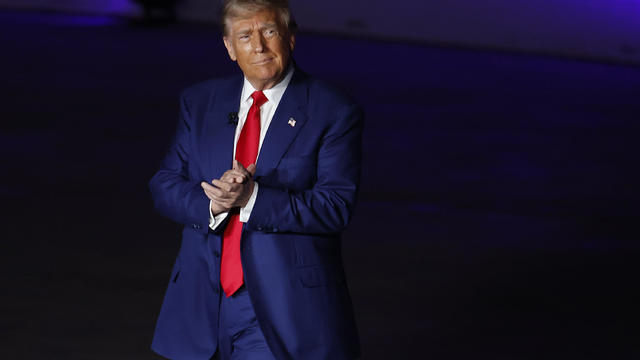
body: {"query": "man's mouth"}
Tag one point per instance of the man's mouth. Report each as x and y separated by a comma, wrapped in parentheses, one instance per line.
(263, 61)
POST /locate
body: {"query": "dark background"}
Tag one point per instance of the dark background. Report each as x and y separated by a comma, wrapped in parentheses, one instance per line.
(498, 217)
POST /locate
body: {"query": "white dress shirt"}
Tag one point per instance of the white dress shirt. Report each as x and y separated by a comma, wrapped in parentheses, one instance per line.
(267, 110)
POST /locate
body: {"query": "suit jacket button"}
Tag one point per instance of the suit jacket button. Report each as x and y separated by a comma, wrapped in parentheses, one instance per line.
(259, 228)
(196, 226)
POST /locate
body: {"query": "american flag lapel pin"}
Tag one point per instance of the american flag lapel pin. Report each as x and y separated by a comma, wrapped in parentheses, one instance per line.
(292, 122)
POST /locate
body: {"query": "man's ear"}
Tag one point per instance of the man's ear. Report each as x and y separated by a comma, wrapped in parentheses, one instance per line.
(292, 42)
(230, 49)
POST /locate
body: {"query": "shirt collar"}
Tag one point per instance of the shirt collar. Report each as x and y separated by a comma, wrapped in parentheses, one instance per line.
(273, 94)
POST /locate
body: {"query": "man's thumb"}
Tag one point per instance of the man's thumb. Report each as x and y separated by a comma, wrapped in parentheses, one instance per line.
(251, 169)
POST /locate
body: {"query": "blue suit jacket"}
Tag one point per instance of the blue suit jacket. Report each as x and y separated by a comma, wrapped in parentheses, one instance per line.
(308, 176)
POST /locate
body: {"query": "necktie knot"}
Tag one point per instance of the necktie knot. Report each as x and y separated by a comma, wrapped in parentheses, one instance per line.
(259, 98)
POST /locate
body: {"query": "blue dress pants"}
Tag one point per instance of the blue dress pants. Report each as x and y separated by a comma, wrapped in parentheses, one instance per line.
(240, 336)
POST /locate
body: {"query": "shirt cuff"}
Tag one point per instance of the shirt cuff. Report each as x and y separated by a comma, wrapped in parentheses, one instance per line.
(215, 220)
(245, 211)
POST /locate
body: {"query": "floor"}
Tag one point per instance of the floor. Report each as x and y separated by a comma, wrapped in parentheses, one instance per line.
(498, 217)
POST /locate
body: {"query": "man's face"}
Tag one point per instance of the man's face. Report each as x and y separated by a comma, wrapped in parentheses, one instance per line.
(261, 45)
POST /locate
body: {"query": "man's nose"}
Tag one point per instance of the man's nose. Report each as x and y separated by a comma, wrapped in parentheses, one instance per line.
(258, 43)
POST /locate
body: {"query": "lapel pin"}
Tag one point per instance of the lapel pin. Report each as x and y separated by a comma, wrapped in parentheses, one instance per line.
(292, 122)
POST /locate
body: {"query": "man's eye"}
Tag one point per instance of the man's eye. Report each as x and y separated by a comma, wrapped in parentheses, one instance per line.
(270, 32)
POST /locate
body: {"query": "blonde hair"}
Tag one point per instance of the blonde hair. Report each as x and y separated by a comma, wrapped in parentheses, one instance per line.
(237, 8)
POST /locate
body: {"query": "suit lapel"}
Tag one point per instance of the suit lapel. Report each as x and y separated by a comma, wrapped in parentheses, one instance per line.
(282, 131)
(219, 130)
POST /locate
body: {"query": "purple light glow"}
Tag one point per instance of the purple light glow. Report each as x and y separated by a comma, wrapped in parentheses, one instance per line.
(59, 19)
(82, 20)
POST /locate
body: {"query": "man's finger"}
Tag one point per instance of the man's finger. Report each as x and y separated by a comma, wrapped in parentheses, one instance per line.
(218, 193)
(210, 188)
(237, 165)
(222, 185)
(235, 175)
(251, 169)
(205, 188)
(232, 178)
(226, 186)
(210, 194)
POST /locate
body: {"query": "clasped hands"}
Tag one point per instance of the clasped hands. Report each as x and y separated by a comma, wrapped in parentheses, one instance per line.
(233, 189)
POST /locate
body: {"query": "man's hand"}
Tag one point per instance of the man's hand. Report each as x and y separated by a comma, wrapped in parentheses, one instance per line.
(233, 189)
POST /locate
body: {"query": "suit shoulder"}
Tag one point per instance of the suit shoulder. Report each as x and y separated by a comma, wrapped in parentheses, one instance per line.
(331, 103)
(207, 88)
(320, 89)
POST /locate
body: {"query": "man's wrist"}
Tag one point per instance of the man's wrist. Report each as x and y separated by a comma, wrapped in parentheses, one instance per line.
(215, 219)
(245, 211)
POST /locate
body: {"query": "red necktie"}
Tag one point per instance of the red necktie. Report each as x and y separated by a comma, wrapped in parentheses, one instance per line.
(231, 275)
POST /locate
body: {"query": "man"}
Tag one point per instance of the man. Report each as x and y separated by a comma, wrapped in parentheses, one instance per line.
(263, 173)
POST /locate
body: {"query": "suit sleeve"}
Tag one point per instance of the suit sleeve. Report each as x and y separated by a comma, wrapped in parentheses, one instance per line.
(175, 194)
(326, 208)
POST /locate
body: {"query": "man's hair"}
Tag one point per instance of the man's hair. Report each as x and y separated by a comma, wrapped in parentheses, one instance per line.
(238, 8)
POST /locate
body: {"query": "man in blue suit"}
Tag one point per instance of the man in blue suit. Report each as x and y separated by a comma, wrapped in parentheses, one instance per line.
(263, 173)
